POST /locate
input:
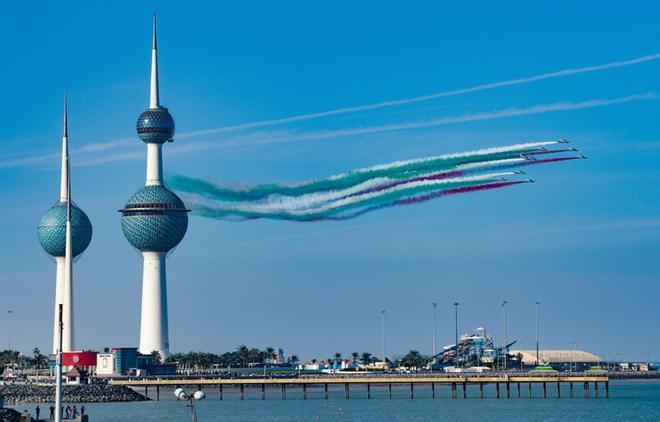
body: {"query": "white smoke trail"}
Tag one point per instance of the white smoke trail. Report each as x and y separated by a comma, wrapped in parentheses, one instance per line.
(392, 103)
(316, 204)
(474, 117)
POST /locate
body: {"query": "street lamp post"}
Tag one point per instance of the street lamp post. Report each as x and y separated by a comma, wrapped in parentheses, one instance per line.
(181, 394)
(382, 336)
(537, 303)
(435, 305)
(504, 348)
(456, 358)
(9, 329)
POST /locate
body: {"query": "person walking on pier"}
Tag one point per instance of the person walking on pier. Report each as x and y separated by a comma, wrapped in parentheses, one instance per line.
(82, 410)
(52, 412)
(74, 412)
(37, 410)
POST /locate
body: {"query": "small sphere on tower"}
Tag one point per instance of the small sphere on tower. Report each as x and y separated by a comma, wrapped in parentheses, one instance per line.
(155, 125)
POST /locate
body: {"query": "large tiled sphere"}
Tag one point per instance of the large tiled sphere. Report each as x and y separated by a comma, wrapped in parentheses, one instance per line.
(154, 219)
(52, 230)
(155, 125)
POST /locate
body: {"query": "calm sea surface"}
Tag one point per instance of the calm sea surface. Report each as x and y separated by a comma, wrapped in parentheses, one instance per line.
(629, 400)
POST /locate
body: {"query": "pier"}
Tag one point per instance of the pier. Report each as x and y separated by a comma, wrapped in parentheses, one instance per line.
(506, 386)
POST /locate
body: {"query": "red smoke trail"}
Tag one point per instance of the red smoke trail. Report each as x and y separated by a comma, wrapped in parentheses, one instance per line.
(549, 160)
(464, 189)
(421, 198)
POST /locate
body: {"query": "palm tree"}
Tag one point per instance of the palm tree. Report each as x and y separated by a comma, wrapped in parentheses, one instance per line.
(413, 359)
(155, 354)
(337, 357)
(39, 359)
(355, 356)
(243, 354)
(253, 355)
(271, 353)
(294, 359)
(365, 358)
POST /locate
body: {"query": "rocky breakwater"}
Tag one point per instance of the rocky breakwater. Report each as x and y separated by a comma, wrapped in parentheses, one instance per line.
(92, 393)
(9, 415)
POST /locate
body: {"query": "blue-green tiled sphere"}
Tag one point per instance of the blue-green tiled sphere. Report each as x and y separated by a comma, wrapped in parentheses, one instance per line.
(154, 219)
(155, 125)
(52, 230)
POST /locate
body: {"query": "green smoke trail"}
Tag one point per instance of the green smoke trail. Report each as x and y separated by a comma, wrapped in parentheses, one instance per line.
(397, 170)
(334, 209)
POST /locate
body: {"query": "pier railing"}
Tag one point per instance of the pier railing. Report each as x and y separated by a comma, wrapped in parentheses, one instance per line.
(501, 381)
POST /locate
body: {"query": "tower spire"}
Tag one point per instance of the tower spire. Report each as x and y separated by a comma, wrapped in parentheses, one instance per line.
(64, 176)
(153, 100)
(67, 286)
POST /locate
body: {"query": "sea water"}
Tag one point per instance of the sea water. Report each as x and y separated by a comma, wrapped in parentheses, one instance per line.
(629, 400)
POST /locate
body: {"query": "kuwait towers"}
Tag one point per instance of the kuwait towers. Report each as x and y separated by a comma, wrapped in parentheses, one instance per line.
(154, 220)
(52, 233)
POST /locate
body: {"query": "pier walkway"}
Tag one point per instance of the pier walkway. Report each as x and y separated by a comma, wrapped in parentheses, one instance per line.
(504, 384)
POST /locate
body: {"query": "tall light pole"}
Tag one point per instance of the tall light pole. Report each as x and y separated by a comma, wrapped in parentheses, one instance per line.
(382, 335)
(537, 303)
(9, 329)
(435, 305)
(504, 348)
(456, 332)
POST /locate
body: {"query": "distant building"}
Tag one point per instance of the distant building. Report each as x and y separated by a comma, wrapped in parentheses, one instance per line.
(125, 359)
(85, 361)
(559, 359)
(76, 376)
(105, 364)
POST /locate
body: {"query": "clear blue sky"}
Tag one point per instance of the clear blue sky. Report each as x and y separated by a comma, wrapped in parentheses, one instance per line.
(583, 240)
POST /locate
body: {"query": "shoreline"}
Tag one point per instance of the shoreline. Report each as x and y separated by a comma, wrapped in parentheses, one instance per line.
(16, 394)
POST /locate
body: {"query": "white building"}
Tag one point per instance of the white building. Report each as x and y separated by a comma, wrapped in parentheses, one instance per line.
(105, 364)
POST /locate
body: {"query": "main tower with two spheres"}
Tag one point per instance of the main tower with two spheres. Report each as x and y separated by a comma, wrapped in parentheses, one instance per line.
(154, 219)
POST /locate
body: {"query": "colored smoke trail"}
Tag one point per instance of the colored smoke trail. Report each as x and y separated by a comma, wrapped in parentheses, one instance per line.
(301, 209)
(399, 169)
(349, 195)
(427, 197)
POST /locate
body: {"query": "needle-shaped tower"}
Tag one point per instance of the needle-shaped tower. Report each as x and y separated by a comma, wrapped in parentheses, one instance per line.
(154, 219)
(52, 232)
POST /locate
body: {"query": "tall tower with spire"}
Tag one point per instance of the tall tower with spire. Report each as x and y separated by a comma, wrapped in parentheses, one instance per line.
(64, 233)
(154, 219)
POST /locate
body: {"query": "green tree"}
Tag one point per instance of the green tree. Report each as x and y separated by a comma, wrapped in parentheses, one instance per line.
(414, 359)
(40, 361)
(270, 354)
(243, 354)
(365, 358)
(155, 354)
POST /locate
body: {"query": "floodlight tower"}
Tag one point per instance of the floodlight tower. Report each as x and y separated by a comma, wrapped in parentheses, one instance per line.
(52, 235)
(154, 219)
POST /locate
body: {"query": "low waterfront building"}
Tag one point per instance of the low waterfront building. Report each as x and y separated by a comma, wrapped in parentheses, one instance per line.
(568, 359)
(125, 359)
(105, 364)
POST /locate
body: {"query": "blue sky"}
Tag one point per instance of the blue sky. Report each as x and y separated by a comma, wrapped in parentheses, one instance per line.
(583, 240)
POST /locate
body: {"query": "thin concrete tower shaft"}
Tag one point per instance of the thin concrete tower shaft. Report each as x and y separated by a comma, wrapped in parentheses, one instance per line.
(64, 233)
(155, 219)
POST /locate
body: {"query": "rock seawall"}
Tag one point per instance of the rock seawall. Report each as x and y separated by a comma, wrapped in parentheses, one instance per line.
(92, 393)
(9, 415)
